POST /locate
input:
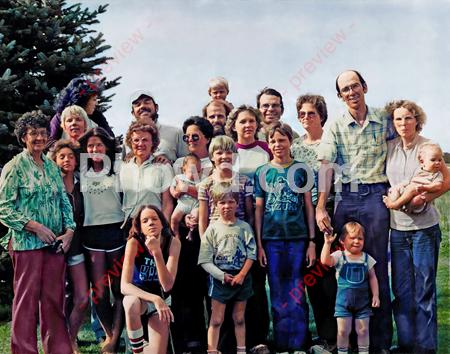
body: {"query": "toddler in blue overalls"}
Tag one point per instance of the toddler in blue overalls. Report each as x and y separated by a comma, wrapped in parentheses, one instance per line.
(355, 273)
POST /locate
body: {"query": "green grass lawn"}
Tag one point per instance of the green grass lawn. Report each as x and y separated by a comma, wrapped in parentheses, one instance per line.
(88, 340)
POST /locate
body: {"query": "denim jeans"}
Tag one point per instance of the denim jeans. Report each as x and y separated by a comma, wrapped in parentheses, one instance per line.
(287, 293)
(366, 207)
(414, 266)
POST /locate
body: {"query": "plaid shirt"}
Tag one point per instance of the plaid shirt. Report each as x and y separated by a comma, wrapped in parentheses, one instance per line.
(359, 151)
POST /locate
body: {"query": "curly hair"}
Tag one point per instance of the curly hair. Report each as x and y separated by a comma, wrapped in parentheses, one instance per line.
(414, 108)
(319, 104)
(77, 92)
(143, 127)
(33, 119)
(136, 230)
(110, 143)
(232, 118)
(62, 144)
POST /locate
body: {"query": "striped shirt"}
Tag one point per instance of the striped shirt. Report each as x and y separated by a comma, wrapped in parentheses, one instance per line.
(359, 151)
(29, 192)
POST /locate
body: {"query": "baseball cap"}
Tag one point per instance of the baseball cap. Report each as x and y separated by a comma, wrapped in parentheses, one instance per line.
(138, 94)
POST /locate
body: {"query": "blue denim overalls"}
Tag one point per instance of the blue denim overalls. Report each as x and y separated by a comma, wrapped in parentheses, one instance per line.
(353, 290)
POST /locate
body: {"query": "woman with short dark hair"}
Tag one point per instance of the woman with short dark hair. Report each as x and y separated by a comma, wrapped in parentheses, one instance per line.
(35, 208)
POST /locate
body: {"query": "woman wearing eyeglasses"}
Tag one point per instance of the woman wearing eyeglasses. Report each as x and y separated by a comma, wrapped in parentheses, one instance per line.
(35, 208)
(189, 328)
(312, 115)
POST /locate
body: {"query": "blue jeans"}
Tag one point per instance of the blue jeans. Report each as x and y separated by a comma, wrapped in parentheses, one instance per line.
(287, 293)
(366, 207)
(414, 266)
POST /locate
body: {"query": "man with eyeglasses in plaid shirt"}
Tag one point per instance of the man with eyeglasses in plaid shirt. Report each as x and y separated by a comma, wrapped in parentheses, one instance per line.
(356, 144)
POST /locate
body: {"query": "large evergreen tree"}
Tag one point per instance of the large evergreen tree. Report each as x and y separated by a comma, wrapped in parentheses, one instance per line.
(43, 45)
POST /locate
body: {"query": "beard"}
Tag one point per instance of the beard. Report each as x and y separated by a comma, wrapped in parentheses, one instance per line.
(218, 130)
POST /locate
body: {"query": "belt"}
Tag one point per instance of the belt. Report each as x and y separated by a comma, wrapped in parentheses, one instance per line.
(362, 188)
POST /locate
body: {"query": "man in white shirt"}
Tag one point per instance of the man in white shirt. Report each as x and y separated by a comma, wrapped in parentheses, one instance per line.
(171, 146)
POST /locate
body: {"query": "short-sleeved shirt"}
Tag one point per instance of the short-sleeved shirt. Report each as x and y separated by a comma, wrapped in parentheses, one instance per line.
(240, 183)
(171, 142)
(31, 192)
(284, 217)
(307, 153)
(401, 165)
(143, 184)
(339, 260)
(101, 196)
(227, 246)
(362, 150)
(251, 156)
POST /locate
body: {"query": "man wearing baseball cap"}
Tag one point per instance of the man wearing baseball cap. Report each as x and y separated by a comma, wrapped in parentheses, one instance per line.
(171, 146)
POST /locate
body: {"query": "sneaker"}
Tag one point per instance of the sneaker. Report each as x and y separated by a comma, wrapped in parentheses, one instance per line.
(260, 349)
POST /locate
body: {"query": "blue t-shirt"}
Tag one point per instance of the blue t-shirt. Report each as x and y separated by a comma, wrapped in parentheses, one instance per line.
(284, 216)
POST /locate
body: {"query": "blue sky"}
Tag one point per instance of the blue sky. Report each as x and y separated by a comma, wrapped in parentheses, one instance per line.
(173, 47)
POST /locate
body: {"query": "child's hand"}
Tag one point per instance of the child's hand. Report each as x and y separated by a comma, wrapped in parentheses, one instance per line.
(375, 301)
(227, 278)
(153, 244)
(329, 238)
(181, 187)
(238, 279)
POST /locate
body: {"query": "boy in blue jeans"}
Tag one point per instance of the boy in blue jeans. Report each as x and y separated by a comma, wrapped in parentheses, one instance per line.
(284, 225)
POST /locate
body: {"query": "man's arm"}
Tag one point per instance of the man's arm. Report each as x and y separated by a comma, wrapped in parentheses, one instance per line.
(325, 180)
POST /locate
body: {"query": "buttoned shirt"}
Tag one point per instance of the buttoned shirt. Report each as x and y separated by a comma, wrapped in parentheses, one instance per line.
(143, 184)
(360, 151)
(401, 165)
(29, 192)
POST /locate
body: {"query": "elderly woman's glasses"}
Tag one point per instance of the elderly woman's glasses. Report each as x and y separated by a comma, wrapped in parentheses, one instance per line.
(193, 137)
(35, 133)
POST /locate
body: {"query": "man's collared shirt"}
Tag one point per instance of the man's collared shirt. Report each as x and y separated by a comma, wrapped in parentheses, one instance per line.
(30, 192)
(360, 151)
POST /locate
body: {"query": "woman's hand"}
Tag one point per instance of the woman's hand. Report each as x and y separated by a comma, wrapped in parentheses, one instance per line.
(44, 233)
(191, 221)
(164, 312)
(66, 239)
(262, 257)
(311, 254)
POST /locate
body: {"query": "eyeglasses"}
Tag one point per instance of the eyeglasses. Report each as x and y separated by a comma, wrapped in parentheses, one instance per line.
(269, 105)
(193, 137)
(303, 115)
(35, 133)
(352, 87)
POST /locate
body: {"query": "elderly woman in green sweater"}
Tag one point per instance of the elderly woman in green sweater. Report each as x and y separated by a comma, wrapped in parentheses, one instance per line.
(35, 208)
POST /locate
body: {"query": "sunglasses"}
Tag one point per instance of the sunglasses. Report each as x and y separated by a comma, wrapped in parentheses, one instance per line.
(193, 137)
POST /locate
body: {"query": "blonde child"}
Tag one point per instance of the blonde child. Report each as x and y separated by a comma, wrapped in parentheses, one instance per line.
(218, 90)
(227, 252)
(355, 273)
(427, 179)
(187, 204)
